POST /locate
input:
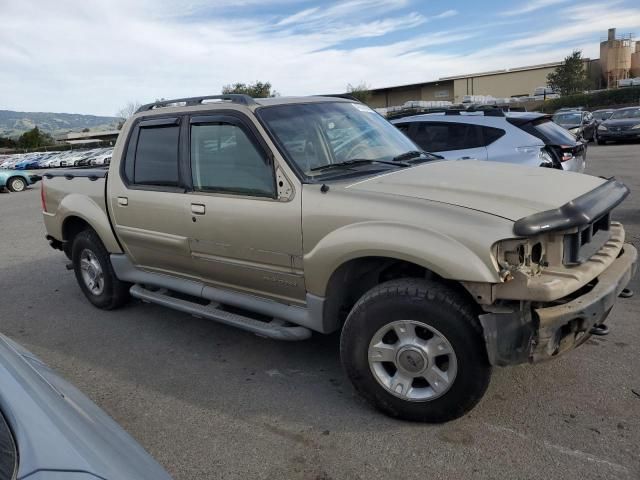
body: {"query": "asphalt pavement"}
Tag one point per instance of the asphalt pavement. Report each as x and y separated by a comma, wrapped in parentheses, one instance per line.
(209, 401)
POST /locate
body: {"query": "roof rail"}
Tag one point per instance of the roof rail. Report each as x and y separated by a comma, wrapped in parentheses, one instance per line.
(240, 98)
(487, 112)
(346, 96)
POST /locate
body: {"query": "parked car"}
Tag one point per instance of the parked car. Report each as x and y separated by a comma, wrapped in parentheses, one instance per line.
(16, 180)
(102, 159)
(623, 124)
(49, 430)
(600, 116)
(530, 139)
(283, 216)
(578, 122)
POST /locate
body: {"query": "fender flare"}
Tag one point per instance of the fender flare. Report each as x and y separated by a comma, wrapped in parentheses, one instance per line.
(432, 250)
(85, 208)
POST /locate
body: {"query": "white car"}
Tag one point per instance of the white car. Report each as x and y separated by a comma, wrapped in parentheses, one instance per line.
(523, 138)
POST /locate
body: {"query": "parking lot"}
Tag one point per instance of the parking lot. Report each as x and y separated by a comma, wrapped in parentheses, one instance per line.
(209, 401)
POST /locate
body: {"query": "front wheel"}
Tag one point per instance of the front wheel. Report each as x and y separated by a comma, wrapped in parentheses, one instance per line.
(16, 184)
(95, 274)
(414, 349)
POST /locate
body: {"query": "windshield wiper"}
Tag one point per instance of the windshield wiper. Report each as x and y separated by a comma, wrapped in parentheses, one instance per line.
(411, 154)
(357, 161)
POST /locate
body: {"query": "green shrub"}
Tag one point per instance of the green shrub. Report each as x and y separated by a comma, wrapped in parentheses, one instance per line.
(619, 97)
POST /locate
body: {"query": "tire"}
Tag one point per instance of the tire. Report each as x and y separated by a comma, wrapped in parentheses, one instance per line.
(105, 291)
(427, 310)
(16, 184)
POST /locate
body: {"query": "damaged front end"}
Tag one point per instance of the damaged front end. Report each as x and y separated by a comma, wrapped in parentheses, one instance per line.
(557, 285)
(520, 332)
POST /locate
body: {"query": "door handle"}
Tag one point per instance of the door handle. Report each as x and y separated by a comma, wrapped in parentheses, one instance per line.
(464, 158)
(123, 201)
(198, 209)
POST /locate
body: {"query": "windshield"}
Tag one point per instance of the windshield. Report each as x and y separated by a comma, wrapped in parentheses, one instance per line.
(571, 118)
(601, 115)
(315, 135)
(8, 453)
(626, 113)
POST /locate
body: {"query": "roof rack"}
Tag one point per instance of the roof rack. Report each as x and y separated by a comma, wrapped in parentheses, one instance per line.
(239, 98)
(488, 112)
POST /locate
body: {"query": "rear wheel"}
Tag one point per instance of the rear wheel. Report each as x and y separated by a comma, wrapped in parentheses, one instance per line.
(414, 349)
(95, 274)
(16, 184)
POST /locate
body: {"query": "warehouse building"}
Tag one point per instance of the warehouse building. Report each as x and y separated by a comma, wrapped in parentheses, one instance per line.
(619, 60)
(513, 82)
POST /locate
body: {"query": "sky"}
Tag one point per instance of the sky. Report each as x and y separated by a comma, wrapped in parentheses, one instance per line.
(94, 56)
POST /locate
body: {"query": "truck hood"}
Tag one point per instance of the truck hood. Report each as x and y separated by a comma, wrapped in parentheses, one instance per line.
(504, 190)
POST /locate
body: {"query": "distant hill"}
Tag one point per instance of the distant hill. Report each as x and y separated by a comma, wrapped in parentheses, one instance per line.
(14, 124)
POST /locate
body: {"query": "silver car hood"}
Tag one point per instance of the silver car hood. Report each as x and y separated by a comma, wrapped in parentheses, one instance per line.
(501, 189)
(58, 429)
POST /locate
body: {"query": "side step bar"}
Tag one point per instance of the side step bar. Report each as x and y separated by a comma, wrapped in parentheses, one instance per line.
(274, 329)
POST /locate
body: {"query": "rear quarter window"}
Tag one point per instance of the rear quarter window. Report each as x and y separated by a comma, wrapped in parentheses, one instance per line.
(491, 134)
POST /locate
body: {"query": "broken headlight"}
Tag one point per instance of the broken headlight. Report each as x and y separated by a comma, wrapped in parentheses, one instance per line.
(523, 255)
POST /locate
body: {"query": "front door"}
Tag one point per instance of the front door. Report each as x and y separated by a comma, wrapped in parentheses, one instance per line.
(241, 235)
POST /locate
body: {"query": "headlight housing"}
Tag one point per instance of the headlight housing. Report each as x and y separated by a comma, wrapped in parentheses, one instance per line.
(602, 128)
(527, 255)
(636, 127)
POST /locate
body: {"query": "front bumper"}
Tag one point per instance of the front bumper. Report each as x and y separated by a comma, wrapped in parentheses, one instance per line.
(622, 135)
(534, 333)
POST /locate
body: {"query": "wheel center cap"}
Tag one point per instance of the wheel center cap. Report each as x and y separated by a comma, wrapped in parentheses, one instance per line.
(412, 360)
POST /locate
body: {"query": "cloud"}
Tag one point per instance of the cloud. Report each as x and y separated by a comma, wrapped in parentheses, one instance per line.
(531, 6)
(446, 14)
(93, 57)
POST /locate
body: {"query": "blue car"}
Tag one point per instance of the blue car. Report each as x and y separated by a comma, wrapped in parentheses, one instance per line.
(50, 431)
(16, 180)
(27, 164)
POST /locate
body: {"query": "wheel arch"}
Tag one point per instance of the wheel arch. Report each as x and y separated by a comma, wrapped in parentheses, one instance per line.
(77, 211)
(356, 276)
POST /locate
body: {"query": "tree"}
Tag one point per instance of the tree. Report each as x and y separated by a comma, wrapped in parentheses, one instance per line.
(7, 142)
(35, 138)
(128, 110)
(570, 77)
(360, 92)
(256, 90)
(85, 130)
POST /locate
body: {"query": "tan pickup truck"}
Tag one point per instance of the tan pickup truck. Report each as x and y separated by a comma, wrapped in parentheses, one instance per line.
(287, 216)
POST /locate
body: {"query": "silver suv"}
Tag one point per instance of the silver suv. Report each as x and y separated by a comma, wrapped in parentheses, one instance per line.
(524, 138)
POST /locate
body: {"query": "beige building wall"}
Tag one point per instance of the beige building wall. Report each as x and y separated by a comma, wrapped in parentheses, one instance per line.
(506, 84)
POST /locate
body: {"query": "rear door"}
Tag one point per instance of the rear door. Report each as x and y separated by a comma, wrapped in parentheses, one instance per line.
(147, 200)
(452, 140)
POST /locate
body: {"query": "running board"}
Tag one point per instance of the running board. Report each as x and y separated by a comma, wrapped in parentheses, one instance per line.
(275, 329)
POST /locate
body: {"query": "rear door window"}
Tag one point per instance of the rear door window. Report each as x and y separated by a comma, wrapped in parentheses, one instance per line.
(152, 156)
(441, 136)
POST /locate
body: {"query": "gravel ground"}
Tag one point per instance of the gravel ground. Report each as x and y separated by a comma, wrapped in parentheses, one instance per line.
(209, 401)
